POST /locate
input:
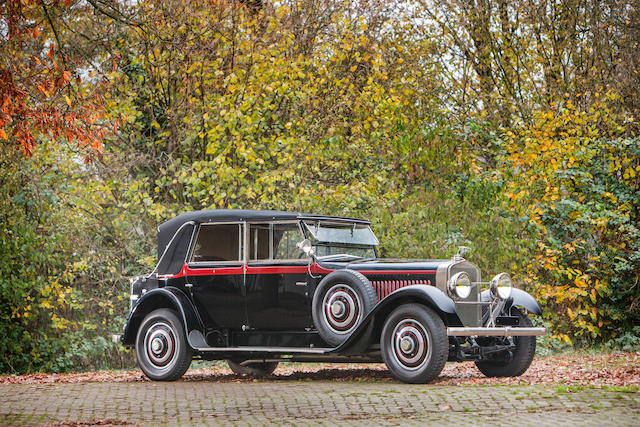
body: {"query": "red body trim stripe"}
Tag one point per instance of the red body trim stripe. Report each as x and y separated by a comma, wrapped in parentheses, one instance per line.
(187, 270)
(374, 272)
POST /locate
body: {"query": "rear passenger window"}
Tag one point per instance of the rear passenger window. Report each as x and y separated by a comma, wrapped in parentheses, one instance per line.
(218, 243)
(259, 237)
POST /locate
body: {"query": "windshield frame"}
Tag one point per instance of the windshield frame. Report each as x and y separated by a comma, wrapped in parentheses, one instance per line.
(307, 223)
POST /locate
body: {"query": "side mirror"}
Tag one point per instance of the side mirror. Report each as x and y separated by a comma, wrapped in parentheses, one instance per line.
(306, 247)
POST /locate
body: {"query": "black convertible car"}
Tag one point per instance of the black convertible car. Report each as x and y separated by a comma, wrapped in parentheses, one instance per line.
(259, 287)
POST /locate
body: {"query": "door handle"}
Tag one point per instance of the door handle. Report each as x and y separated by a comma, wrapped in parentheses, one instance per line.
(301, 283)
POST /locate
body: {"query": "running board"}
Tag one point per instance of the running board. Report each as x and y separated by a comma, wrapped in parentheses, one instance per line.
(272, 350)
(198, 343)
(496, 332)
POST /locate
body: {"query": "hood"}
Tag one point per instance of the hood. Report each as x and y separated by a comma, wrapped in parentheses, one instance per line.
(382, 264)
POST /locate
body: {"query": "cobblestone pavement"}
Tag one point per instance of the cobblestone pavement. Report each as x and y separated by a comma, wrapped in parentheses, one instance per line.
(314, 402)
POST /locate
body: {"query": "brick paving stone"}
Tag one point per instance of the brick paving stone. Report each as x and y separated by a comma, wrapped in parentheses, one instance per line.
(314, 402)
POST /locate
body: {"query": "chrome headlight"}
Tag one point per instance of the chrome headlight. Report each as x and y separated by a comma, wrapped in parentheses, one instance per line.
(501, 286)
(460, 285)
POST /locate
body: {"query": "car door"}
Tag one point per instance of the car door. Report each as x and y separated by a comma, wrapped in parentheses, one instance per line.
(216, 273)
(277, 278)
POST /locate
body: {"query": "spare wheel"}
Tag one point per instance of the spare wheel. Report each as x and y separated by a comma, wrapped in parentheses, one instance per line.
(340, 302)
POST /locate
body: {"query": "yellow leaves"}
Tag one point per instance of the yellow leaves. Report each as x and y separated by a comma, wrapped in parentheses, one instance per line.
(353, 68)
(629, 173)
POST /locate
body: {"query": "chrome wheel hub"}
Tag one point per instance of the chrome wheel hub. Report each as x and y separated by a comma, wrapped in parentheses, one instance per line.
(157, 345)
(407, 345)
(337, 308)
(411, 344)
(342, 309)
(160, 345)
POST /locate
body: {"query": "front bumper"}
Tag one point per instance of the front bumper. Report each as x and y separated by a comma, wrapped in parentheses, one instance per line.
(496, 332)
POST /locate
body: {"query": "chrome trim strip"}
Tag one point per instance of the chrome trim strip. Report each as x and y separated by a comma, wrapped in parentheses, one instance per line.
(496, 332)
(281, 350)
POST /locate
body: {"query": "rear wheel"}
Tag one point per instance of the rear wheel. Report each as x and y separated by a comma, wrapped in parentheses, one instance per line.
(516, 362)
(253, 369)
(414, 344)
(161, 346)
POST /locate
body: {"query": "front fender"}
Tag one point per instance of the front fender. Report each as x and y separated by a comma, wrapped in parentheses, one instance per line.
(520, 299)
(168, 297)
(425, 294)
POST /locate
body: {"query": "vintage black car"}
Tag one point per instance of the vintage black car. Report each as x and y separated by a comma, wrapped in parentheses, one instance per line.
(259, 287)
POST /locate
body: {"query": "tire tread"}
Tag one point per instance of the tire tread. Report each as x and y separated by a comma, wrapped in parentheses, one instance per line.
(521, 360)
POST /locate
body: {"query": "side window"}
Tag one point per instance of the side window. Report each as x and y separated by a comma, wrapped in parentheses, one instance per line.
(285, 238)
(274, 241)
(259, 235)
(218, 242)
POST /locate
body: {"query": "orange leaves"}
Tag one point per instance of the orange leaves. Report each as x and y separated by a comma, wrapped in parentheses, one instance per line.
(32, 107)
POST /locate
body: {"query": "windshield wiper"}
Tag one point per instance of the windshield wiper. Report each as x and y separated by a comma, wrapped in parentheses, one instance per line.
(348, 256)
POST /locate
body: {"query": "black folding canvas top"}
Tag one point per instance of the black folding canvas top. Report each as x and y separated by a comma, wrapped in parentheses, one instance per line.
(167, 230)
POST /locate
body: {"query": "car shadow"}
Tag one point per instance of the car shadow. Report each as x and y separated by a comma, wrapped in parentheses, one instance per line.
(364, 374)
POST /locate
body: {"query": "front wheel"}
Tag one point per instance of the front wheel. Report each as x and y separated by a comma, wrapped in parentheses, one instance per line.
(161, 346)
(253, 369)
(414, 344)
(519, 360)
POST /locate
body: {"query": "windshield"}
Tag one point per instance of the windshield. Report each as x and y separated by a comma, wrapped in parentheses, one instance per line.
(341, 240)
(341, 232)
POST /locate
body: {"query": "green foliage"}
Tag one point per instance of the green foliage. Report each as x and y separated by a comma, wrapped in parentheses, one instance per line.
(579, 186)
(629, 341)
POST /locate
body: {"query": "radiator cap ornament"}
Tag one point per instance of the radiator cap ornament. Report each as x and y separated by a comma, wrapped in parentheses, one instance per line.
(462, 252)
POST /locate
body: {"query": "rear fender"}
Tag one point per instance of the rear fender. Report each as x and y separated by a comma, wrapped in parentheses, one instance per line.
(520, 299)
(428, 295)
(168, 297)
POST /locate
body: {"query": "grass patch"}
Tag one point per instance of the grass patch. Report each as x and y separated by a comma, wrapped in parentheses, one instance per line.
(569, 388)
(621, 389)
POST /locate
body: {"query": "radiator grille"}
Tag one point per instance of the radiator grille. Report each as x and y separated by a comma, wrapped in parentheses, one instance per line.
(384, 287)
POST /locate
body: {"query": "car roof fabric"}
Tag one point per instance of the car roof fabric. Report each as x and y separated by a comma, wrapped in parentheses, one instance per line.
(169, 228)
